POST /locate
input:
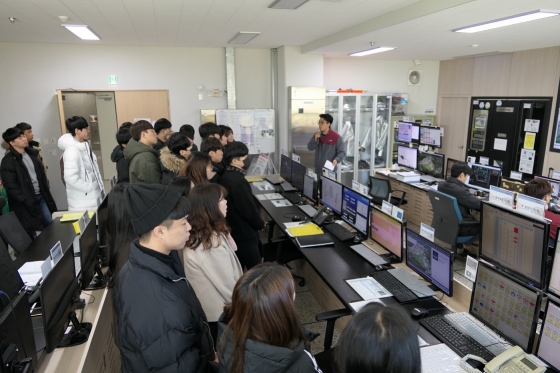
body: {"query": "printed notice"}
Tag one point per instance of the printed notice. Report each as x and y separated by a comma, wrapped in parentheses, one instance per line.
(470, 268)
(501, 197)
(526, 167)
(500, 144)
(532, 125)
(529, 142)
(530, 206)
(427, 232)
(527, 155)
(386, 207)
(281, 202)
(515, 175)
(484, 160)
(368, 288)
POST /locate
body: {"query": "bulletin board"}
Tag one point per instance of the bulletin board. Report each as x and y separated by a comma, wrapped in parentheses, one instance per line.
(255, 128)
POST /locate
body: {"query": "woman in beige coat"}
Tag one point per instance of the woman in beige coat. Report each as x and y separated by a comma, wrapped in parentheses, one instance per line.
(210, 262)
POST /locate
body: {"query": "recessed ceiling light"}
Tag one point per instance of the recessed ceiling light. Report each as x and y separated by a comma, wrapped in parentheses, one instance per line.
(287, 4)
(81, 31)
(372, 51)
(243, 37)
(508, 21)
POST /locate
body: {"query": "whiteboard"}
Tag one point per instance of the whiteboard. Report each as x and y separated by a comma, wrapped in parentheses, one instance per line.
(255, 128)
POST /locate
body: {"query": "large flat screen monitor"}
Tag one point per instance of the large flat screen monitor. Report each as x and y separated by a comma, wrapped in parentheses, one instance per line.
(407, 157)
(485, 176)
(430, 136)
(408, 132)
(310, 188)
(506, 306)
(286, 168)
(355, 210)
(554, 284)
(387, 232)
(331, 194)
(101, 217)
(298, 174)
(89, 250)
(450, 163)
(515, 243)
(17, 342)
(58, 291)
(433, 263)
(431, 164)
(549, 345)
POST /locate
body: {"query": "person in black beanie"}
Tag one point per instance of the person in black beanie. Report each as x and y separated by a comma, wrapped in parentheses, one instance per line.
(162, 326)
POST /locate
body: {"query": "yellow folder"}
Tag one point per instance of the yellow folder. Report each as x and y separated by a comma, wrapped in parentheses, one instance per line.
(308, 229)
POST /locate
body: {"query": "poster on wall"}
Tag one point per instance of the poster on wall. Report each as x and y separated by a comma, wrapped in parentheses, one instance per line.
(555, 143)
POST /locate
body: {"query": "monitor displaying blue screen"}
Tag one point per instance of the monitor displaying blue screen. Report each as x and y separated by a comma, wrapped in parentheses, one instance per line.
(355, 210)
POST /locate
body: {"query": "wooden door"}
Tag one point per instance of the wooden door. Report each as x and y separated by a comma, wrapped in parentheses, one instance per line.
(152, 104)
(454, 118)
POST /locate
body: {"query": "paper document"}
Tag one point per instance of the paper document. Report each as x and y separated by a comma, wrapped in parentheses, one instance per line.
(281, 202)
(31, 273)
(263, 185)
(273, 196)
(261, 197)
(368, 288)
(356, 306)
(328, 165)
(440, 358)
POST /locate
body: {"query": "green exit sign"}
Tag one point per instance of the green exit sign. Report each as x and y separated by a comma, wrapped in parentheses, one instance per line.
(113, 79)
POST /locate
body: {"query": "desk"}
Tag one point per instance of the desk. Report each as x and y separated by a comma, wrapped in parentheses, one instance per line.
(40, 247)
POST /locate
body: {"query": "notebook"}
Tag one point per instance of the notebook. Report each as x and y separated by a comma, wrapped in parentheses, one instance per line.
(314, 241)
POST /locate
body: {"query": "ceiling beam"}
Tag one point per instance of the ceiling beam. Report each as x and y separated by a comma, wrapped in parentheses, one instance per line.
(407, 13)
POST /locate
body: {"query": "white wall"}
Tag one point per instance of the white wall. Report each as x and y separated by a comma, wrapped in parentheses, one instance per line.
(385, 76)
(30, 74)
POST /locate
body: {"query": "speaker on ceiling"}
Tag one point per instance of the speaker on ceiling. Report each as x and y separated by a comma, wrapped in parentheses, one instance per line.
(414, 77)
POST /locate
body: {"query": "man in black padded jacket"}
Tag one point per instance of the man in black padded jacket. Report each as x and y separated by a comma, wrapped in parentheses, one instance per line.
(455, 186)
(162, 327)
(243, 217)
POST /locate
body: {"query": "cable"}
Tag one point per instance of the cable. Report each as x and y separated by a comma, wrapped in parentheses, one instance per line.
(89, 295)
(17, 325)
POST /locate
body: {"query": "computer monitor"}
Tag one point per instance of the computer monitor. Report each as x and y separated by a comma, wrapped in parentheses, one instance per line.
(101, 216)
(310, 188)
(512, 184)
(506, 306)
(16, 334)
(450, 163)
(554, 284)
(431, 164)
(331, 194)
(387, 231)
(484, 176)
(355, 210)
(547, 349)
(407, 157)
(555, 198)
(430, 136)
(58, 292)
(515, 243)
(89, 261)
(407, 132)
(286, 168)
(433, 263)
(298, 174)
(10, 280)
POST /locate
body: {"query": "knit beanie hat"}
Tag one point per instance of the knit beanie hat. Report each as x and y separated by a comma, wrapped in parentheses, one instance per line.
(149, 204)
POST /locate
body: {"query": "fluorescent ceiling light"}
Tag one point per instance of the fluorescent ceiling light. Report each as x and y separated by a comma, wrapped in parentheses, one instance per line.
(82, 31)
(287, 4)
(243, 37)
(520, 18)
(372, 51)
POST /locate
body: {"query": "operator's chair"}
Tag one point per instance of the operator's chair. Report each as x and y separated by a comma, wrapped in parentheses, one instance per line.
(448, 220)
(380, 190)
(325, 359)
(13, 233)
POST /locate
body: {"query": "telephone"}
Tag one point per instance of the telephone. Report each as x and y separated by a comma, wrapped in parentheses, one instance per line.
(321, 215)
(511, 360)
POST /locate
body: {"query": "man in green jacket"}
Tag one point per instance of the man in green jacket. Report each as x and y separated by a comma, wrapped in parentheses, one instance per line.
(144, 160)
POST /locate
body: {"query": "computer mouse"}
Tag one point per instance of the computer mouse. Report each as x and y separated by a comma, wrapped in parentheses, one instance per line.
(296, 218)
(419, 312)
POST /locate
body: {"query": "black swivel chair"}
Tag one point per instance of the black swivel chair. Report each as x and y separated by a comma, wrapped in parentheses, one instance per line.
(13, 233)
(380, 190)
(448, 220)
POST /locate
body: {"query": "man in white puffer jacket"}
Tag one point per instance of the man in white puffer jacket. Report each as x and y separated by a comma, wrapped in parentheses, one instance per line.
(84, 185)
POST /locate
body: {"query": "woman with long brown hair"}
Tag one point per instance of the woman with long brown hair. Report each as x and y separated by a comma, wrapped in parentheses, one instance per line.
(210, 262)
(198, 168)
(259, 329)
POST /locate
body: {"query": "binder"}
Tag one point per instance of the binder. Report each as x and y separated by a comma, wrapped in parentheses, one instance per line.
(307, 229)
(314, 240)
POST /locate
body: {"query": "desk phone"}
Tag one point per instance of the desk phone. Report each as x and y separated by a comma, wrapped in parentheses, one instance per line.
(513, 360)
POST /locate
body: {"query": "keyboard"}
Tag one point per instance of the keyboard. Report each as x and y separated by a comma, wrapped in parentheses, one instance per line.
(287, 187)
(366, 253)
(293, 197)
(468, 325)
(394, 286)
(309, 210)
(460, 343)
(339, 232)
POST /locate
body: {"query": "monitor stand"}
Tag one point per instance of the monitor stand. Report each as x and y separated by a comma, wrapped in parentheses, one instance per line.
(78, 334)
(391, 258)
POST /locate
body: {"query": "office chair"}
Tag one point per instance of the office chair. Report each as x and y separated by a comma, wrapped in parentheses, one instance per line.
(448, 220)
(325, 359)
(380, 190)
(13, 233)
